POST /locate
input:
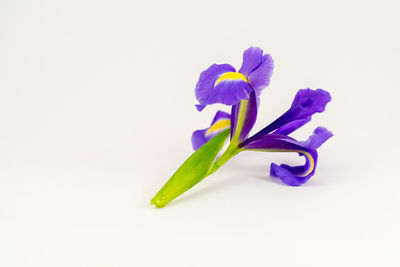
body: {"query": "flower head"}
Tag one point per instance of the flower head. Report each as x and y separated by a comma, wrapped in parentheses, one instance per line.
(220, 83)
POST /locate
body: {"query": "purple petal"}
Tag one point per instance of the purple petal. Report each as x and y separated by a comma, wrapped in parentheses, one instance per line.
(250, 109)
(250, 116)
(293, 176)
(305, 104)
(320, 136)
(286, 176)
(207, 79)
(227, 91)
(219, 116)
(292, 126)
(233, 118)
(260, 77)
(252, 58)
(200, 137)
(200, 107)
(308, 102)
(274, 142)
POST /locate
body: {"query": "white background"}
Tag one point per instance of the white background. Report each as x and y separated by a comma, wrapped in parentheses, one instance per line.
(97, 109)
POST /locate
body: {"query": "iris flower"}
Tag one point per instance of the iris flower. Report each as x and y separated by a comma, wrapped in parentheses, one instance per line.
(241, 90)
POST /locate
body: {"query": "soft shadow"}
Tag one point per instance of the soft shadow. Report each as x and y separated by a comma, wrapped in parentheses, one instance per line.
(207, 190)
(274, 180)
(240, 177)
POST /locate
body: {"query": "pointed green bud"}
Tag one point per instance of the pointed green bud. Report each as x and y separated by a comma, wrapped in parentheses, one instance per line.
(192, 171)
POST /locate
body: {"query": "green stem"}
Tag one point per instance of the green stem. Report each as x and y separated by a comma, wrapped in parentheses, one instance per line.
(231, 151)
(233, 148)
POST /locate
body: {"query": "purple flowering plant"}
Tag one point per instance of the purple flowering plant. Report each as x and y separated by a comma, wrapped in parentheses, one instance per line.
(241, 90)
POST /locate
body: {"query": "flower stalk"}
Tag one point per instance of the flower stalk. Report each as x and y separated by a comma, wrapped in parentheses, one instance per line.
(230, 152)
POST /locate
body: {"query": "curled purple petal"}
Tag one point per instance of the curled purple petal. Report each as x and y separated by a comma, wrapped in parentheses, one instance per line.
(293, 176)
(285, 175)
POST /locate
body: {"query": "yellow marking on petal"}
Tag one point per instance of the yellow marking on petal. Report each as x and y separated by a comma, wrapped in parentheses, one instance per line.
(231, 76)
(311, 168)
(218, 126)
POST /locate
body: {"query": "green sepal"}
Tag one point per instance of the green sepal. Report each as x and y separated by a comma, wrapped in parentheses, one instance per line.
(192, 171)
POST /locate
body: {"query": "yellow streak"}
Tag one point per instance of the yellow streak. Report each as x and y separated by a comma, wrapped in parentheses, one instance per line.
(219, 125)
(311, 163)
(231, 76)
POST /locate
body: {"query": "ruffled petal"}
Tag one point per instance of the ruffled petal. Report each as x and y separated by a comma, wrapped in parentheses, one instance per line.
(320, 136)
(306, 103)
(293, 176)
(260, 77)
(252, 58)
(220, 122)
(221, 84)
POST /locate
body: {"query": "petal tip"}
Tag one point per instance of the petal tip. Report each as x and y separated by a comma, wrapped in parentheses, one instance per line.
(284, 175)
(200, 107)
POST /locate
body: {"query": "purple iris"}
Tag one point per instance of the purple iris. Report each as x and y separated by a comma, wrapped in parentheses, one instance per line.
(220, 83)
(241, 90)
